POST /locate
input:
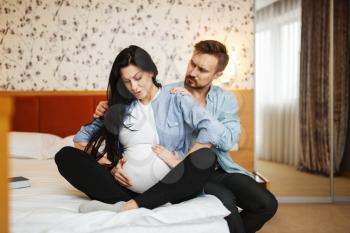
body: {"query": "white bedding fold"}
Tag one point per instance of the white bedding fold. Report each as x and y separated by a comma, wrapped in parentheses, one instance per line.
(51, 205)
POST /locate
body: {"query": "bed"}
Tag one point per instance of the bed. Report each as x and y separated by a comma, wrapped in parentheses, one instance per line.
(51, 203)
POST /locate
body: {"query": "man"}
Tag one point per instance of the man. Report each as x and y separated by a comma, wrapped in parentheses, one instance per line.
(231, 183)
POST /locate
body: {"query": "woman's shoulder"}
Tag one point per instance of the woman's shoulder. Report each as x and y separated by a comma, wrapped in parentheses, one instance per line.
(164, 94)
(173, 100)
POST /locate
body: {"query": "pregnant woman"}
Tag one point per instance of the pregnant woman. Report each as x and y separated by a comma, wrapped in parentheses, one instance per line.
(149, 131)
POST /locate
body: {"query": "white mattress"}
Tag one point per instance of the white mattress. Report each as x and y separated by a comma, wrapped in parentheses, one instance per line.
(50, 205)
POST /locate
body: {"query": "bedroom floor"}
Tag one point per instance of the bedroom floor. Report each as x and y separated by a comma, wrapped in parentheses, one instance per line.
(286, 180)
(309, 218)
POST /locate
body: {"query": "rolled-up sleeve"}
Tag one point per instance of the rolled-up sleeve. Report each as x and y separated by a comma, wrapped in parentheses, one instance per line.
(87, 131)
(231, 122)
(209, 129)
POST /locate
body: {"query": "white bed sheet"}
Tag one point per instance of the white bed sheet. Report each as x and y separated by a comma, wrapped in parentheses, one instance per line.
(50, 205)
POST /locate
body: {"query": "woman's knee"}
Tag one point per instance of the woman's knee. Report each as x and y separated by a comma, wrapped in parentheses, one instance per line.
(65, 155)
(203, 158)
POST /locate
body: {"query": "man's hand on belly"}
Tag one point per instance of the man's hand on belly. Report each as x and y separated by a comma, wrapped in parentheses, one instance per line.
(170, 158)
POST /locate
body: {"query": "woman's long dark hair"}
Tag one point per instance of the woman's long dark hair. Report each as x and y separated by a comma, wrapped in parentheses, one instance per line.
(119, 98)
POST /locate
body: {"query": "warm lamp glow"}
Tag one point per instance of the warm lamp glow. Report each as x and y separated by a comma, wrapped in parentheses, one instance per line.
(229, 71)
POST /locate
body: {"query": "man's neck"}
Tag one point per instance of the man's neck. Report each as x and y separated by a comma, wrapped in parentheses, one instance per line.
(200, 94)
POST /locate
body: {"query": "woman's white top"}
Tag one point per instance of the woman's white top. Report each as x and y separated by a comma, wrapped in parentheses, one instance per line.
(143, 167)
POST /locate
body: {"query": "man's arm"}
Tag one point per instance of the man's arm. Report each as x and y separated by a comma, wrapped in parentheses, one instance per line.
(197, 146)
(85, 133)
(209, 129)
(101, 109)
(229, 119)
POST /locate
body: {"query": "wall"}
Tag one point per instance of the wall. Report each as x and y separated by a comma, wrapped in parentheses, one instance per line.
(70, 45)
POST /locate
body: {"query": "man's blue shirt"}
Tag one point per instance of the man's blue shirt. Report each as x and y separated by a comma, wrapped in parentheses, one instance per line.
(176, 117)
(223, 106)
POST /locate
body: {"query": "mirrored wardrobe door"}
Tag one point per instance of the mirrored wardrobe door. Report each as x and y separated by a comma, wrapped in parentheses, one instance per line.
(291, 149)
(341, 100)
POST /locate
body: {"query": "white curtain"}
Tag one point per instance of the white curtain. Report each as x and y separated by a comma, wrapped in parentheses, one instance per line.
(277, 51)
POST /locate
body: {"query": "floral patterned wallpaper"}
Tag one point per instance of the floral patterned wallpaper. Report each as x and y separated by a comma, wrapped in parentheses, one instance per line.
(71, 44)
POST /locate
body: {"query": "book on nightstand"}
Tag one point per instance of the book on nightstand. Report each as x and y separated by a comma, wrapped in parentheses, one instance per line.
(19, 182)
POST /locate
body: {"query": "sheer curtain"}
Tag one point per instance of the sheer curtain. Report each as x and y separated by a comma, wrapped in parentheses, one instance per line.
(277, 82)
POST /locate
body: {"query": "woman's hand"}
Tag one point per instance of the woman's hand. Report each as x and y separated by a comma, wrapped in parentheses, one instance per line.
(170, 158)
(101, 109)
(119, 174)
(104, 161)
(181, 90)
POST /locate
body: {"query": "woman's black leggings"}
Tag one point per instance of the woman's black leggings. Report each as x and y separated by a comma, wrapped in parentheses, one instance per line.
(183, 182)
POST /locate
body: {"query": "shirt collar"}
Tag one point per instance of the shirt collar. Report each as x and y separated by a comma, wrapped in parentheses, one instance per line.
(210, 93)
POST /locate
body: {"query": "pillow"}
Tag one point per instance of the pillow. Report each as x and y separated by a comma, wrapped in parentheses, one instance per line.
(31, 144)
(50, 151)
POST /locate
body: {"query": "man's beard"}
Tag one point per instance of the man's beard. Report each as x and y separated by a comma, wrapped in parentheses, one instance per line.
(190, 81)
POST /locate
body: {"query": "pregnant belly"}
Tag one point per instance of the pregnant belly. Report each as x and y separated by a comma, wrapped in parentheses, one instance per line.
(143, 167)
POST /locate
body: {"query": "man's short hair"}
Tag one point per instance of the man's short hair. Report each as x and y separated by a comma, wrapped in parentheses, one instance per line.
(216, 49)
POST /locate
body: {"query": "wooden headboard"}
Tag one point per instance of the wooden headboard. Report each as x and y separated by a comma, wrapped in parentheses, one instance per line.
(245, 154)
(60, 112)
(63, 112)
